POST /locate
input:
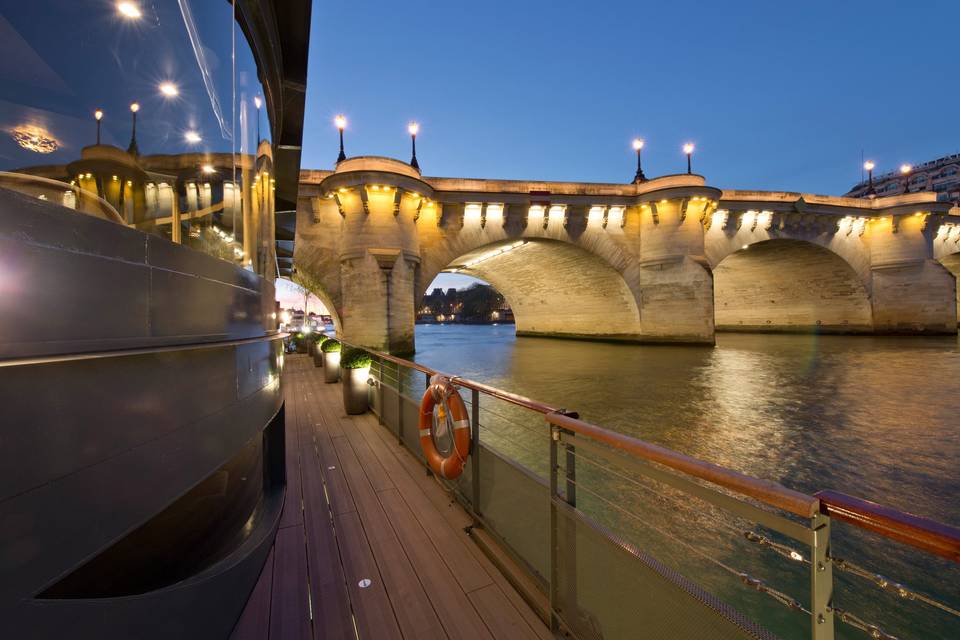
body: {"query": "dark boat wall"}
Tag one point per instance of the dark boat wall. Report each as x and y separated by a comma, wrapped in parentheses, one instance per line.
(141, 400)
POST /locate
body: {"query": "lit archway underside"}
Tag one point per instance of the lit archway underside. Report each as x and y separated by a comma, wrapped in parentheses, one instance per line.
(789, 286)
(557, 289)
(952, 263)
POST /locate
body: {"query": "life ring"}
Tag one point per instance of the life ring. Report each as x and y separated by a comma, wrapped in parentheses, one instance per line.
(440, 397)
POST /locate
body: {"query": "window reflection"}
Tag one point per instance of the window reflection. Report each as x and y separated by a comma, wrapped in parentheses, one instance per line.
(145, 114)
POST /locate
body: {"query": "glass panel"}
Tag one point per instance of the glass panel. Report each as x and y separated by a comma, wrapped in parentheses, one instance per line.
(607, 589)
(145, 114)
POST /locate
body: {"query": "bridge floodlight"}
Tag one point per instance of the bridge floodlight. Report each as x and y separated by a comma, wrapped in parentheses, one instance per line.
(688, 149)
(341, 122)
(413, 129)
(638, 146)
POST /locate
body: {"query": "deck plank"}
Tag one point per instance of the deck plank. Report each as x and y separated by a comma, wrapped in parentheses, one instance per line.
(289, 612)
(491, 603)
(374, 614)
(359, 506)
(453, 607)
(450, 542)
(254, 622)
(414, 611)
(292, 510)
(328, 588)
(456, 517)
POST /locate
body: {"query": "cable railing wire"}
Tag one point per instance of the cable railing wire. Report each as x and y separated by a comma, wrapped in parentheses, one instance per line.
(788, 553)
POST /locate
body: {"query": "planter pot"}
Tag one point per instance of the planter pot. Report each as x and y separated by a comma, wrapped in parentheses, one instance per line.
(301, 346)
(331, 366)
(355, 397)
(317, 355)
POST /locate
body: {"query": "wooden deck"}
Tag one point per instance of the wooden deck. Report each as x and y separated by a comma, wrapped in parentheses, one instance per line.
(360, 508)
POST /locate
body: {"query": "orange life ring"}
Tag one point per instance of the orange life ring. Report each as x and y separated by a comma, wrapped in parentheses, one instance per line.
(441, 396)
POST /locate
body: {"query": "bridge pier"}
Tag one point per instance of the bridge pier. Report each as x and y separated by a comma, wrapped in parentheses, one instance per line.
(911, 292)
(676, 288)
(378, 298)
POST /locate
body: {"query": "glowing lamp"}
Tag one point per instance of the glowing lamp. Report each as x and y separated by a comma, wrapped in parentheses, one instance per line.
(413, 128)
(688, 149)
(129, 10)
(869, 165)
(341, 122)
(637, 146)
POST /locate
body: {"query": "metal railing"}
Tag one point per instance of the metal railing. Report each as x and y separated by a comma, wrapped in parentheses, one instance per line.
(595, 517)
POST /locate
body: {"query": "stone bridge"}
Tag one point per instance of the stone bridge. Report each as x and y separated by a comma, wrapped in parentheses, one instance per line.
(666, 260)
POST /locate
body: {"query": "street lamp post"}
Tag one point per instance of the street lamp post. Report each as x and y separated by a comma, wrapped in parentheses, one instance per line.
(905, 171)
(869, 165)
(638, 146)
(413, 128)
(257, 102)
(341, 122)
(132, 149)
(688, 149)
(98, 114)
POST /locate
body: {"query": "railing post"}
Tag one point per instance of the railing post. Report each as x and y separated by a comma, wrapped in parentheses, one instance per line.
(821, 579)
(399, 406)
(475, 453)
(554, 533)
(571, 468)
(380, 390)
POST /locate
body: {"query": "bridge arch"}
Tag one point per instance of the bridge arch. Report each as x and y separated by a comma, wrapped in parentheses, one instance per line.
(788, 285)
(555, 288)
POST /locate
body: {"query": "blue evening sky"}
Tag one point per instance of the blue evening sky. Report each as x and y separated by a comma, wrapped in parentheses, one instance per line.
(776, 95)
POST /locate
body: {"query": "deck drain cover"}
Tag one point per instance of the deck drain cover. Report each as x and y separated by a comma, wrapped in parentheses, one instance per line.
(366, 582)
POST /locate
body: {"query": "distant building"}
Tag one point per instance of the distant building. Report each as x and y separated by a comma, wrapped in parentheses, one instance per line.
(941, 175)
(477, 304)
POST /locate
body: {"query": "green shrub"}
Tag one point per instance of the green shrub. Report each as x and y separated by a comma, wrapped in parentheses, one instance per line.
(320, 339)
(330, 346)
(355, 358)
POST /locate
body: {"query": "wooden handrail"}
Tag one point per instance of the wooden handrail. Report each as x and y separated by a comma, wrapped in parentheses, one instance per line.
(765, 491)
(916, 531)
(506, 396)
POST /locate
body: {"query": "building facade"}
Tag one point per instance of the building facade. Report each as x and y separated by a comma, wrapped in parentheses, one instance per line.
(941, 176)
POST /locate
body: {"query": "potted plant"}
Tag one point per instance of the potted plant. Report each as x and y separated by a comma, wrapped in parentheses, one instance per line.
(301, 340)
(331, 359)
(355, 370)
(315, 351)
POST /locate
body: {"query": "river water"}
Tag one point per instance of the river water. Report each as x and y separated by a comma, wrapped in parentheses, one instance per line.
(875, 417)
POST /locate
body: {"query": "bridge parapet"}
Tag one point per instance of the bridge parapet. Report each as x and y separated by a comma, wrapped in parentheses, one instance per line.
(636, 261)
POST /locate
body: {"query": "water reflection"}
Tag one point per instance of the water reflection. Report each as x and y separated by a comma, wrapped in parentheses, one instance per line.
(147, 114)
